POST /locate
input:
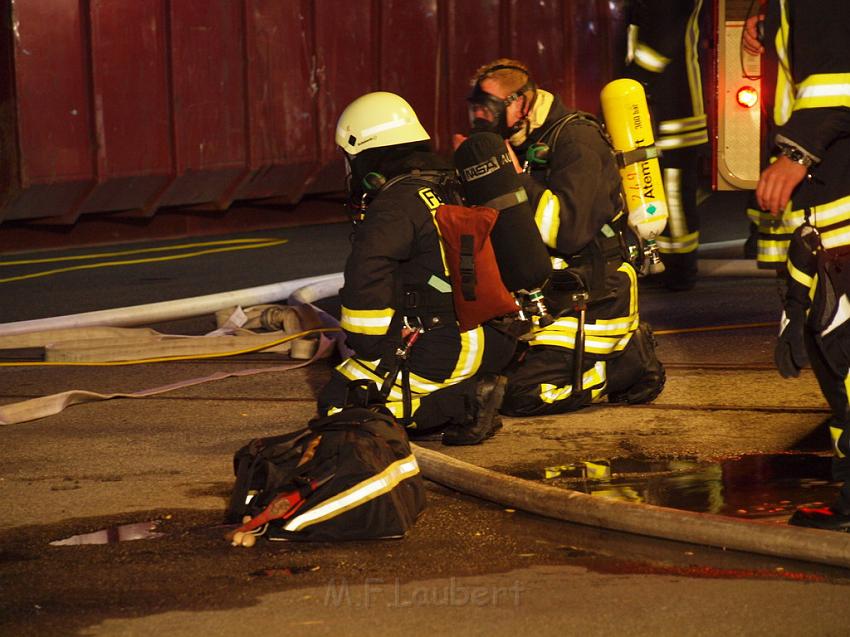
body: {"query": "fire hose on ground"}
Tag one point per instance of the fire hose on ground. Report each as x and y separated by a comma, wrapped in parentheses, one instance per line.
(811, 545)
(697, 528)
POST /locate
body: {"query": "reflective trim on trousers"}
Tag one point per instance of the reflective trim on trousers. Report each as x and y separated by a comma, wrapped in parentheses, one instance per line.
(680, 245)
(593, 378)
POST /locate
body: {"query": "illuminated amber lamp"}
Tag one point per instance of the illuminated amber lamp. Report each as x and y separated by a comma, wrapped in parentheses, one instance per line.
(747, 96)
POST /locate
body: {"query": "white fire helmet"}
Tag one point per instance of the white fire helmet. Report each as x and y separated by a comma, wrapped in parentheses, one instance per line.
(376, 120)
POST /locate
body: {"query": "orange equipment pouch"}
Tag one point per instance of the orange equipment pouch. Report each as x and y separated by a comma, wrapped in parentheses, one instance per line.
(478, 291)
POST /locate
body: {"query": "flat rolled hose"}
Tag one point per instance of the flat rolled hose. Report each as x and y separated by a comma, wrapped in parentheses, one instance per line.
(811, 545)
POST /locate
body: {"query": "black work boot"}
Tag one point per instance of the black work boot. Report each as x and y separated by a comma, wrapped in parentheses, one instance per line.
(680, 271)
(827, 518)
(651, 383)
(489, 393)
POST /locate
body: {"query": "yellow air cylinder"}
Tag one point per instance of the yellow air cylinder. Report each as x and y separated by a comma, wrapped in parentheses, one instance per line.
(629, 126)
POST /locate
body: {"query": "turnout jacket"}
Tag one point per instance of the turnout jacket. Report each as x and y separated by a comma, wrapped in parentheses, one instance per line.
(577, 203)
(663, 54)
(578, 192)
(396, 263)
(811, 111)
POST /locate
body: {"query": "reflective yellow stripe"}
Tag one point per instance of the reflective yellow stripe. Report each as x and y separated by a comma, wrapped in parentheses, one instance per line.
(471, 351)
(649, 59)
(375, 322)
(548, 217)
(680, 245)
(835, 238)
(830, 213)
(603, 336)
(397, 409)
(627, 269)
(823, 90)
(441, 244)
(799, 276)
(775, 250)
(352, 369)
(356, 369)
(602, 327)
(677, 226)
(682, 125)
(692, 61)
(631, 42)
(835, 433)
(565, 336)
(592, 378)
(468, 364)
(682, 141)
(360, 493)
(784, 99)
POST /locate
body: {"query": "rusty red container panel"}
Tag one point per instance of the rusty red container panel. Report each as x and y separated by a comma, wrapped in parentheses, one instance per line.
(129, 106)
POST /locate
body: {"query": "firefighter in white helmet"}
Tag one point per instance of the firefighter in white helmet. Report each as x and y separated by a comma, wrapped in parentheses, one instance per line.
(596, 347)
(397, 309)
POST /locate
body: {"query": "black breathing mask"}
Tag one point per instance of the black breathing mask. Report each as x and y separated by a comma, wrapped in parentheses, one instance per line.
(488, 113)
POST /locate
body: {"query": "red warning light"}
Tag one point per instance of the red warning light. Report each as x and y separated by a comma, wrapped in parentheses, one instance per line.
(747, 96)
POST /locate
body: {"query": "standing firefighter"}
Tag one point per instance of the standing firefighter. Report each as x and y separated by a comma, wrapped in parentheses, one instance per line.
(663, 55)
(805, 198)
(397, 309)
(596, 346)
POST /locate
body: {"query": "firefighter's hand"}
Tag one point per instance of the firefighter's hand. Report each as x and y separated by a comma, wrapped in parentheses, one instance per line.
(457, 140)
(751, 42)
(776, 184)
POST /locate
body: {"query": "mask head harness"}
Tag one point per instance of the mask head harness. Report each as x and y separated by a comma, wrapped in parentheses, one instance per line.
(488, 113)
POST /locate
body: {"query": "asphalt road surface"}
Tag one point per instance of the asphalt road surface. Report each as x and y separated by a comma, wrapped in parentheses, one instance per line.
(467, 567)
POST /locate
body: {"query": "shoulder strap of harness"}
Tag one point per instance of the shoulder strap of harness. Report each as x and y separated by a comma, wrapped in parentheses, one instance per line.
(441, 179)
(551, 134)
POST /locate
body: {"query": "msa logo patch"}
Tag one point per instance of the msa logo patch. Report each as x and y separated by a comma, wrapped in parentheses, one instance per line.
(486, 167)
(431, 200)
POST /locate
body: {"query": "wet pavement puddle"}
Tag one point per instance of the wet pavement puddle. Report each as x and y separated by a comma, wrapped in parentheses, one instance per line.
(114, 534)
(759, 486)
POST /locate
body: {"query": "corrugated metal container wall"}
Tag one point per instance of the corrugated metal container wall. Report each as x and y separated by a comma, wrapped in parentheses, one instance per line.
(133, 105)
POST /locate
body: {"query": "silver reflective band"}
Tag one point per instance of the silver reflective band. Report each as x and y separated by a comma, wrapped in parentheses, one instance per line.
(358, 494)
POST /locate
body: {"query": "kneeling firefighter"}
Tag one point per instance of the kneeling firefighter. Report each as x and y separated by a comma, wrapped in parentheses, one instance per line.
(397, 299)
(596, 347)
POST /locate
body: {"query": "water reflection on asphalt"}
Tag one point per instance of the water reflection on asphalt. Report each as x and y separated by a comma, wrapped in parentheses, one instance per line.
(754, 486)
(114, 534)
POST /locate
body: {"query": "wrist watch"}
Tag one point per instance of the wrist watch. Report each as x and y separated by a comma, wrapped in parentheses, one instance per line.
(796, 155)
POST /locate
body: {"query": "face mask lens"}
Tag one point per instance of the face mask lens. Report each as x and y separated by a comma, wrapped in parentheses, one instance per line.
(481, 112)
(485, 112)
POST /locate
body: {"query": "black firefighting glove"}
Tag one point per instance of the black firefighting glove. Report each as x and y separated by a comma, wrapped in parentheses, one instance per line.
(790, 352)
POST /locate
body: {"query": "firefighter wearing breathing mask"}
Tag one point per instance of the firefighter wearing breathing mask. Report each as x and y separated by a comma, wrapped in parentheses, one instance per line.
(597, 348)
(397, 309)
